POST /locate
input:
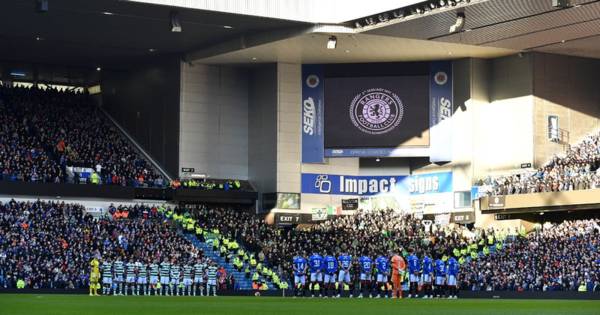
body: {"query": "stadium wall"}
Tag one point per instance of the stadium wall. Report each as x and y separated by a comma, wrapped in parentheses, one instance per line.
(262, 128)
(503, 124)
(492, 123)
(213, 134)
(288, 127)
(145, 101)
(383, 167)
(242, 123)
(565, 87)
(492, 129)
(547, 201)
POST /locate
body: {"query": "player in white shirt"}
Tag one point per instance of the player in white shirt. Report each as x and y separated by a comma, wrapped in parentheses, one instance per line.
(187, 279)
(199, 269)
(142, 278)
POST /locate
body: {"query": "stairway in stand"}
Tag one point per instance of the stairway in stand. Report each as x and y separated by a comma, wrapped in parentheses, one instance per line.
(241, 282)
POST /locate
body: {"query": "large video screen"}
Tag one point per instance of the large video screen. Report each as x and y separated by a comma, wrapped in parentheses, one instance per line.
(376, 111)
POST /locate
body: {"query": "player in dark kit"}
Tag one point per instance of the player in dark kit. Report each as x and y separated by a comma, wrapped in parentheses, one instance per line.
(316, 273)
(383, 271)
(299, 274)
(414, 267)
(366, 268)
(331, 267)
(345, 263)
(427, 276)
(452, 277)
(440, 277)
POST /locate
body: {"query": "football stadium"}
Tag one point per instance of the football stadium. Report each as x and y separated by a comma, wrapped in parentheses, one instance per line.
(299, 156)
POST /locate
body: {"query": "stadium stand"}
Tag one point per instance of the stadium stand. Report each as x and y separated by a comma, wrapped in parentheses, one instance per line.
(50, 245)
(554, 257)
(487, 256)
(316, 150)
(210, 230)
(48, 133)
(578, 168)
(23, 151)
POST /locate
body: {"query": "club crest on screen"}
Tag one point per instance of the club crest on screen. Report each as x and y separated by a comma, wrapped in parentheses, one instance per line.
(376, 111)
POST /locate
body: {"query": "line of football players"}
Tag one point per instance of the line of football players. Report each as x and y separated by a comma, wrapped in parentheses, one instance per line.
(384, 276)
(159, 278)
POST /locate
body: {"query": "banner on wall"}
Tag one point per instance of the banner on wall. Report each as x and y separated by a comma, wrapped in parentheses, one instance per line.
(441, 102)
(350, 204)
(431, 203)
(331, 184)
(313, 145)
(319, 214)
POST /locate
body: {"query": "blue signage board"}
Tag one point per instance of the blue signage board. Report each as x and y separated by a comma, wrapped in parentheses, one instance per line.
(333, 184)
(440, 111)
(313, 145)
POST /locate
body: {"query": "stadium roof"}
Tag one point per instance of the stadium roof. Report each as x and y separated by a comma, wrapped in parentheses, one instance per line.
(99, 32)
(522, 25)
(311, 48)
(117, 32)
(492, 28)
(313, 11)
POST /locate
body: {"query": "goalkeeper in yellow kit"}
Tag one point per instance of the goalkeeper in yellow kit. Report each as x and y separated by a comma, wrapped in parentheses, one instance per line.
(94, 276)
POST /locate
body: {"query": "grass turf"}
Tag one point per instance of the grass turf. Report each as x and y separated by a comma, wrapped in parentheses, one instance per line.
(33, 304)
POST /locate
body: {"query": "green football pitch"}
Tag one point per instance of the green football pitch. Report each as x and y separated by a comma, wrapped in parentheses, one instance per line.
(32, 304)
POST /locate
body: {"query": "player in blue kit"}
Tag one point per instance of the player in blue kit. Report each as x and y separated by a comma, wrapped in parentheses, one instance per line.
(383, 266)
(427, 276)
(366, 268)
(440, 277)
(299, 274)
(452, 269)
(331, 267)
(344, 275)
(414, 267)
(315, 262)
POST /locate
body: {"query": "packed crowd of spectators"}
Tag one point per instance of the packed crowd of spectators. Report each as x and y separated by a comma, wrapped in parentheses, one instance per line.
(375, 233)
(23, 148)
(366, 233)
(557, 257)
(45, 130)
(554, 257)
(50, 245)
(578, 168)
